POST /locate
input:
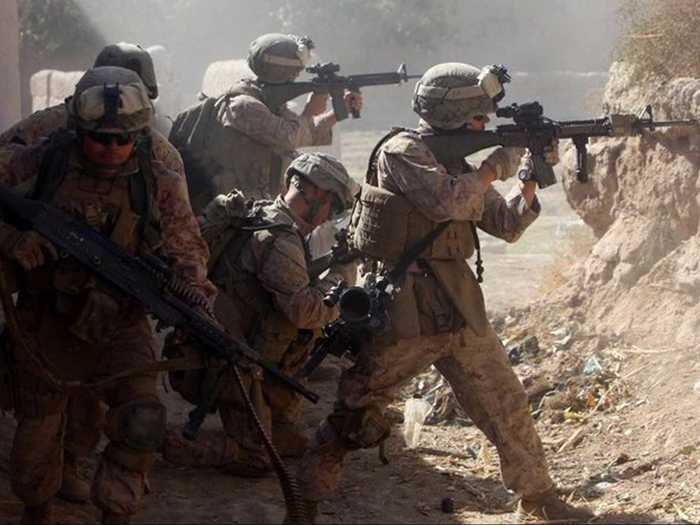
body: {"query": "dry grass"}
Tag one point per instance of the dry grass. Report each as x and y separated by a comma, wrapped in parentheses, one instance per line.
(661, 36)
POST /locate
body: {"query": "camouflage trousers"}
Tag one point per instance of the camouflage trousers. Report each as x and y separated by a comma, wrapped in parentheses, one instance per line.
(484, 384)
(279, 410)
(133, 422)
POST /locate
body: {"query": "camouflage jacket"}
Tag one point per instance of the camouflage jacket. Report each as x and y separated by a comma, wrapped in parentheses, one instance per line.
(179, 231)
(449, 295)
(250, 147)
(270, 273)
(41, 123)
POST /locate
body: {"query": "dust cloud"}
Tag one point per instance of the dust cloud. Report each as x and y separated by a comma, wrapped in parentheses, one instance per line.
(558, 50)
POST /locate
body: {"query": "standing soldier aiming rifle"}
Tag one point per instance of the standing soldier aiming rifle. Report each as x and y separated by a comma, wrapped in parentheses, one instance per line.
(437, 316)
(100, 170)
(245, 140)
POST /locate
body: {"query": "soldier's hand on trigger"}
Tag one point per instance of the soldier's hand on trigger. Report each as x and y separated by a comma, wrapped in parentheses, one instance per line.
(353, 101)
(551, 153)
(31, 250)
(315, 104)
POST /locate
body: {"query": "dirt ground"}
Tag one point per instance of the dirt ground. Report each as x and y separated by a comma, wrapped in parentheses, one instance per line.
(632, 456)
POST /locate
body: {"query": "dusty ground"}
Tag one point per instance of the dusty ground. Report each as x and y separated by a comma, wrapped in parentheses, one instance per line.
(633, 457)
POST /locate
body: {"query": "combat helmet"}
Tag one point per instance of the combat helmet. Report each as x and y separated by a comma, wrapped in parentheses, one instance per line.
(449, 95)
(277, 58)
(326, 172)
(110, 100)
(133, 57)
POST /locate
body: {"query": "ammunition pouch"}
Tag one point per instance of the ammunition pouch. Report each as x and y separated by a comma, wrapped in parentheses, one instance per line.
(97, 318)
(384, 225)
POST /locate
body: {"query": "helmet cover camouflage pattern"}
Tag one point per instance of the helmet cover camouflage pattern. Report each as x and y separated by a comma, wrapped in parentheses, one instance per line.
(449, 95)
(133, 57)
(277, 58)
(326, 172)
(110, 100)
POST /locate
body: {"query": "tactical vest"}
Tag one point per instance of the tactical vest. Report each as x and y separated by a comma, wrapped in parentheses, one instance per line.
(384, 225)
(218, 160)
(120, 207)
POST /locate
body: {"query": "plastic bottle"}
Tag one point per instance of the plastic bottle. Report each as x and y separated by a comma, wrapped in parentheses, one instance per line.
(414, 413)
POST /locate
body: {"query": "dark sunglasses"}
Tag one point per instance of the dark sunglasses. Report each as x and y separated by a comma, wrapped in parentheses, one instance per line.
(480, 118)
(122, 139)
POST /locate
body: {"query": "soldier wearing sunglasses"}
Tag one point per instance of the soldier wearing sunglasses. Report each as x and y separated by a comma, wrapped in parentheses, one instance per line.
(86, 414)
(99, 169)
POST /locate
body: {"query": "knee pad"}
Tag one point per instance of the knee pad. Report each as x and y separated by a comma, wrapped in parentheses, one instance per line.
(140, 425)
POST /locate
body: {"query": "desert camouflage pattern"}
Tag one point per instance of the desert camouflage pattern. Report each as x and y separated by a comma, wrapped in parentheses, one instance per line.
(48, 304)
(472, 360)
(276, 263)
(251, 147)
(182, 241)
(41, 123)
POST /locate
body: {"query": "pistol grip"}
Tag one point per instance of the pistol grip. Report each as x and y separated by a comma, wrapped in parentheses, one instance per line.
(544, 173)
(337, 97)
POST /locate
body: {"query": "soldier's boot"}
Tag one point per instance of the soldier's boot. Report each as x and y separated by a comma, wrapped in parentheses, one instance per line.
(74, 486)
(39, 514)
(289, 440)
(550, 507)
(110, 518)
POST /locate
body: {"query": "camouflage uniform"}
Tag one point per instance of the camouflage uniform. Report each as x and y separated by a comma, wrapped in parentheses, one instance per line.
(50, 302)
(266, 297)
(85, 412)
(438, 318)
(249, 145)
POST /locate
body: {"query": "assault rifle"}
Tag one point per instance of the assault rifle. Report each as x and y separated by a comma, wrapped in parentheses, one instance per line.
(328, 81)
(146, 280)
(534, 131)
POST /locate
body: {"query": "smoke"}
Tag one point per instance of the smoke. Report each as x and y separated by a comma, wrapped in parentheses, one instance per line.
(560, 49)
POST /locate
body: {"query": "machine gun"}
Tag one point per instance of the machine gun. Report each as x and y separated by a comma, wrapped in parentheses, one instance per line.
(146, 280)
(534, 131)
(328, 81)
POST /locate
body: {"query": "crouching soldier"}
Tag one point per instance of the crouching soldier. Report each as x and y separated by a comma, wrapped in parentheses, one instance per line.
(267, 297)
(100, 170)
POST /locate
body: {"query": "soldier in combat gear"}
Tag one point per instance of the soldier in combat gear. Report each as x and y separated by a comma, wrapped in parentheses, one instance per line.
(85, 412)
(240, 140)
(99, 170)
(267, 297)
(438, 316)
